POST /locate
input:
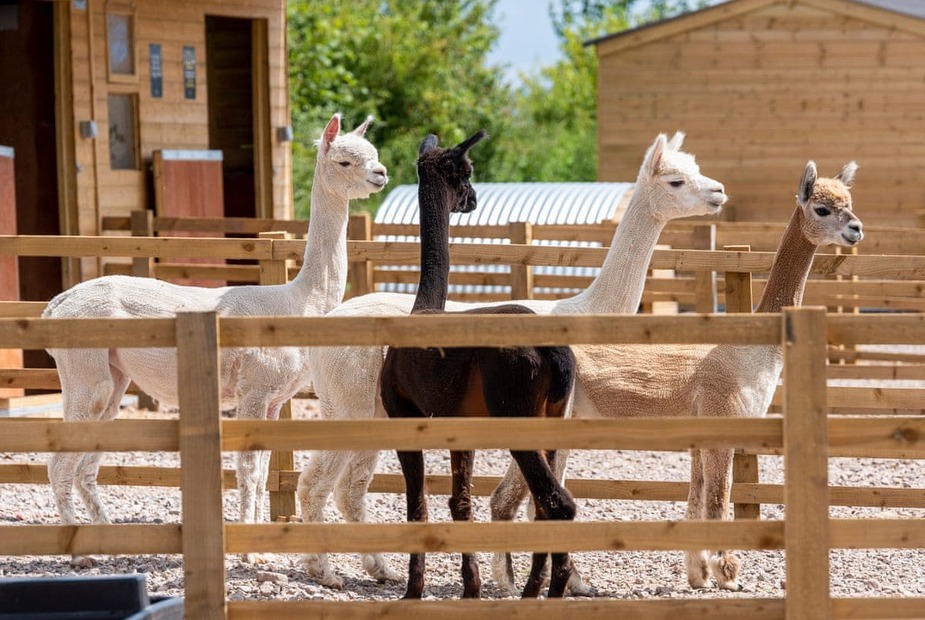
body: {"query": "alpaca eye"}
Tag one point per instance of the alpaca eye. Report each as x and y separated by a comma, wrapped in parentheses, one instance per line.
(821, 211)
(344, 164)
(677, 183)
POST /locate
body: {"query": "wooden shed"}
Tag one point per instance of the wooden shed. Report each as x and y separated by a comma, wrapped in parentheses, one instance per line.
(761, 86)
(91, 90)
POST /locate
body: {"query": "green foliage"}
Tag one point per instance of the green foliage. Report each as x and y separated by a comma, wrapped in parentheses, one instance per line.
(418, 66)
(421, 66)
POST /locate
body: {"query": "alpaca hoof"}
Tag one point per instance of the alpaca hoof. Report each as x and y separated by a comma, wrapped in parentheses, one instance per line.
(502, 571)
(725, 567)
(82, 561)
(319, 571)
(698, 570)
(576, 586)
(380, 570)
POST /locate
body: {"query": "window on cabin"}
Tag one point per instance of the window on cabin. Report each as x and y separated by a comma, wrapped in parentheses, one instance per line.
(120, 37)
(123, 135)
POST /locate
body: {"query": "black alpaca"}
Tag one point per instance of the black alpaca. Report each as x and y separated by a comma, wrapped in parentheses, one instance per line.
(472, 381)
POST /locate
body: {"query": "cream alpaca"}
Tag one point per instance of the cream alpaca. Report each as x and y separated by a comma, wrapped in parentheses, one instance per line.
(669, 186)
(704, 380)
(93, 381)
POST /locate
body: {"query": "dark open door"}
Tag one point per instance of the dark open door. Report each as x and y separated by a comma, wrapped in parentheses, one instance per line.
(27, 124)
(230, 76)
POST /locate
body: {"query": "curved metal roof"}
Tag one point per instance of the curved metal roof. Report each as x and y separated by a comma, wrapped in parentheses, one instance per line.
(502, 203)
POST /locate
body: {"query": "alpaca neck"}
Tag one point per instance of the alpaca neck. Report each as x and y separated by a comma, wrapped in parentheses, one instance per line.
(792, 263)
(619, 285)
(435, 250)
(322, 279)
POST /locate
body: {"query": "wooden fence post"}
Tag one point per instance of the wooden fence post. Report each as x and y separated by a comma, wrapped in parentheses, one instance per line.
(143, 226)
(521, 275)
(744, 466)
(282, 503)
(806, 493)
(203, 531)
(143, 267)
(360, 228)
(705, 281)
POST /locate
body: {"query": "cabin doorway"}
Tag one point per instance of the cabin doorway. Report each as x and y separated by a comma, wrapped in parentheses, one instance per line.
(28, 125)
(236, 72)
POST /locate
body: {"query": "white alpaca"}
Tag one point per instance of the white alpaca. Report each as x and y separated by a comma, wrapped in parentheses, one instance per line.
(669, 186)
(707, 380)
(259, 380)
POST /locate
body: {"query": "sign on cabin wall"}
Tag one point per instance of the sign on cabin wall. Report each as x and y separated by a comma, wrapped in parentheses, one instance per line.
(156, 69)
(189, 71)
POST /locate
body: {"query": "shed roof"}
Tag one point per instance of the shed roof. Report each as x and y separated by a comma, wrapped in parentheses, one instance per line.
(502, 203)
(903, 14)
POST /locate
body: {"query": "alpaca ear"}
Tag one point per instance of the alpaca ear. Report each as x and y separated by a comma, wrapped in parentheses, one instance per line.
(676, 141)
(846, 175)
(428, 144)
(361, 129)
(807, 182)
(330, 132)
(464, 146)
(654, 155)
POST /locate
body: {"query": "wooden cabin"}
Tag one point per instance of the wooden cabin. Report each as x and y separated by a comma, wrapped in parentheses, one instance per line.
(92, 90)
(761, 86)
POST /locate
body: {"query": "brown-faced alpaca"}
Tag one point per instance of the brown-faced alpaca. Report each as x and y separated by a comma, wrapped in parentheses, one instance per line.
(472, 381)
(709, 380)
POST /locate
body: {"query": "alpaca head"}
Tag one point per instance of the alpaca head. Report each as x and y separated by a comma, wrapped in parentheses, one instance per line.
(348, 165)
(671, 184)
(826, 205)
(446, 173)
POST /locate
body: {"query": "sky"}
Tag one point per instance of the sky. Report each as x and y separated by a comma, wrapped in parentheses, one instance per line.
(527, 39)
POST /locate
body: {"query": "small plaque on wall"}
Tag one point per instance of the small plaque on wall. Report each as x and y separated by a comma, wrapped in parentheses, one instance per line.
(156, 65)
(189, 71)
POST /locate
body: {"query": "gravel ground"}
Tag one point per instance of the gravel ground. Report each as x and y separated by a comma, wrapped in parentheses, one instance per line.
(613, 574)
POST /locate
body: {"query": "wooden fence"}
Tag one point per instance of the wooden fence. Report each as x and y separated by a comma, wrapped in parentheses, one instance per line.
(272, 252)
(804, 435)
(692, 291)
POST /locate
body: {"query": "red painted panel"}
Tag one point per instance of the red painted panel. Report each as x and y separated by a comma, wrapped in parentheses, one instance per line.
(189, 186)
(9, 271)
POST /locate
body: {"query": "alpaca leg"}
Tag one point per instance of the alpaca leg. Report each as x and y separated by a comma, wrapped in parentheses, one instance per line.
(86, 388)
(315, 485)
(717, 467)
(576, 583)
(88, 467)
(253, 404)
(263, 472)
(553, 502)
(412, 467)
(350, 496)
(505, 501)
(698, 571)
(461, 510)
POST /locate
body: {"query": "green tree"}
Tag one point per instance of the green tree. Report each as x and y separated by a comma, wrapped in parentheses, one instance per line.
(418, 66)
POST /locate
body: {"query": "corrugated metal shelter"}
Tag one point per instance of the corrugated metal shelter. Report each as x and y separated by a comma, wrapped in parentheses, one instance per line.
(761, 86)
(503, 203)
